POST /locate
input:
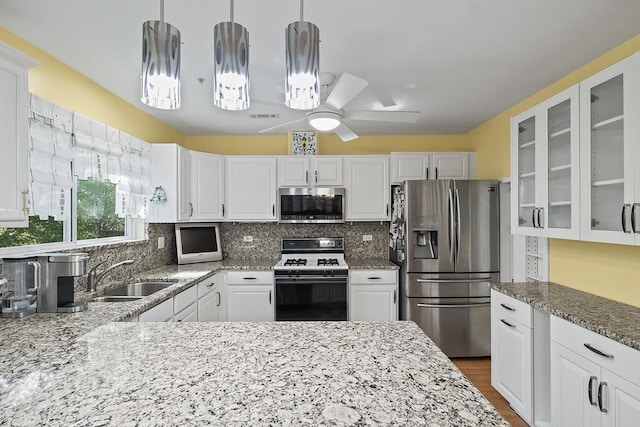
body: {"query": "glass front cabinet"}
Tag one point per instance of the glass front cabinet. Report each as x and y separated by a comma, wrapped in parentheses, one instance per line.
(545, 168)
(609, 152)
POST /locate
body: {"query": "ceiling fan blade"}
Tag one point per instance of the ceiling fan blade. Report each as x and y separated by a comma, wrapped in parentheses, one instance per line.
(281, 125)
(383, 116)
(383, 97)
(345, 133)
(347, 87)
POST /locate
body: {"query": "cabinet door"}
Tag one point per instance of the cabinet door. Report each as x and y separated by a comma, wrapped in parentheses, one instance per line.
(572, 376)
(606, 154)
(525, 159)
(373, 303)
(368, 190)
(251, 188)
(327, 171)
(207, 186)
(408, 166)
(185, 206)
(293, 172)
(162, 312)
(511, 362)
(190, 314)
(450, 165)
(622, 401)
(209, 307)
(14, 116)
(250, 303)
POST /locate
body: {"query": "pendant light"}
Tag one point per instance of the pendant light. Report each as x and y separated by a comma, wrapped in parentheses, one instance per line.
(160, 64)
(231, 65)
(302, 83)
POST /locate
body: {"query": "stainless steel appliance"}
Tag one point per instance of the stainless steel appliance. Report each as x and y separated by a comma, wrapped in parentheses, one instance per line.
(21, 279)
(445, 238)
(311, 205)
(311, 279)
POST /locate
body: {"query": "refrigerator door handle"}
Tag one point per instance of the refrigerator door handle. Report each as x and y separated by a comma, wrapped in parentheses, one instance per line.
(457, 226)
(451, 225)
(481, 304)
(486, 279)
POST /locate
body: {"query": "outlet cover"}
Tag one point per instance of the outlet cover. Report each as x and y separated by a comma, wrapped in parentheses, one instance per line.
(367, 237)
(247, 239)
(161, 242)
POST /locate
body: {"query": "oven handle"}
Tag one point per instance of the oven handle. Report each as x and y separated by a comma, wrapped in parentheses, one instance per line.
(309, 280)
(482, 304)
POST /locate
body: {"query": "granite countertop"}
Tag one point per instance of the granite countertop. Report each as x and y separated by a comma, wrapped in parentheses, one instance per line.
(370, 264)
(612, 319)
(272, 373)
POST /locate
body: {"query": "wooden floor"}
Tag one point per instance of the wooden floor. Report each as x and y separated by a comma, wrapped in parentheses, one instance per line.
(478, 370)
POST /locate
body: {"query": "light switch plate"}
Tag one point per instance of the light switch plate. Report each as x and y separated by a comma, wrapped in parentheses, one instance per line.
(247, 239)
(367, 237)
(161, 242)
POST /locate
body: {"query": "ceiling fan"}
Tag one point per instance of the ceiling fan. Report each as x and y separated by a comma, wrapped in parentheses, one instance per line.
(330, 116)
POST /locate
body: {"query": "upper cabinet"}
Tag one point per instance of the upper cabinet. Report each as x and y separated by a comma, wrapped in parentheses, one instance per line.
(367, 188)
(300, 171)
(193, 183)
(421, 165)
(251, 188)
(610, 153)
(14, 125)
(545, 168)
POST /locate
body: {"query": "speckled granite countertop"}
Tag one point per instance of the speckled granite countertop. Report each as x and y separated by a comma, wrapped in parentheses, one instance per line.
(370, 264)
(620, 322)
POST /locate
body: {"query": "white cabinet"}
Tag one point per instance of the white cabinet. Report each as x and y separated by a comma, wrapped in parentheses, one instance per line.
(373, 295)
(609, 154)
(14, 117)
(251, 188)
(250, 296)
(545, 168)
(162, 312)
(185, 308)
(212, 299)
(424, 165)
(193, 182)
(511, 352)
(594, 380)
(367, 188)
(298, 171)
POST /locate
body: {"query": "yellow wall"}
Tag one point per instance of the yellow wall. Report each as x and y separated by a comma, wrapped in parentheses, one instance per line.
(61, 84)
(327, 144)
(612, 271)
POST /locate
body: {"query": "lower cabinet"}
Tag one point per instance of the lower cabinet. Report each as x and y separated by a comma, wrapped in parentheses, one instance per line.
(250, 296)
(185, 308)
(212, 305)
(373, 295)
(162, 312)
(595, 381)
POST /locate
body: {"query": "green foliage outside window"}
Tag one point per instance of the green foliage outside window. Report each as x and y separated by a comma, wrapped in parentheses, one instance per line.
(39, 231)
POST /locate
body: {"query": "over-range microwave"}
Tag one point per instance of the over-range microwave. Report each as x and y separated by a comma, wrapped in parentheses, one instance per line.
(311, 205)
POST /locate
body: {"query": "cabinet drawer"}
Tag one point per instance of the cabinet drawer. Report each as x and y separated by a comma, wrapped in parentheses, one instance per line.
(184, 299)
(207, 286)
(621, 360)
(519, 311)
(373, 276)
(250, 277)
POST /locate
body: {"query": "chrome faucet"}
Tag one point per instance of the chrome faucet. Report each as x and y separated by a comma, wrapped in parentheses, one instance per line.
(95, 277)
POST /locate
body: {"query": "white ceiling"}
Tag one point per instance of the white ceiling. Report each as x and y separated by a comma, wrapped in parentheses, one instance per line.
(458, 62)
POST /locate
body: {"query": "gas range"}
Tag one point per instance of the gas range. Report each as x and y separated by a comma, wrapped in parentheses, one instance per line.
(312, 254)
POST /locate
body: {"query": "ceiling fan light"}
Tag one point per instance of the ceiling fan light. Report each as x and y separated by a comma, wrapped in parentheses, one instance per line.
(160, 65)
(324, 121)
(302, 88)
(231, 66)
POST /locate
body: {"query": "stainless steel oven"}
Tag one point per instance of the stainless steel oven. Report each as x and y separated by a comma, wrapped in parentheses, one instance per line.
(311, 280)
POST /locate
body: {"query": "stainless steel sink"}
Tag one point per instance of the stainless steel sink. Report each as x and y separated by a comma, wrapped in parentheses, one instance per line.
(115, 299)
(140, 289)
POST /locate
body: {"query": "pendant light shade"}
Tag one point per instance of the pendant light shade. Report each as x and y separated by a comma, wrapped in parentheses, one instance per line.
(231, 66)
(160, 64)
(302, 82)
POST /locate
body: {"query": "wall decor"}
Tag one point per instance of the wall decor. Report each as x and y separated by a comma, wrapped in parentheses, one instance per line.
(303, 143)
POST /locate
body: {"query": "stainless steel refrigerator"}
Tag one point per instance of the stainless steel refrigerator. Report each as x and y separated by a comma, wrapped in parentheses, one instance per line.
(445, 238)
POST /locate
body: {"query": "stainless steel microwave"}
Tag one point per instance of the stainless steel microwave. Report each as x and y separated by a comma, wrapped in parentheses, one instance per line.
(311, 205)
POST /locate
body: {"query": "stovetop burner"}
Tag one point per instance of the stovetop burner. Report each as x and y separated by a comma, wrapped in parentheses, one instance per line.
(328, 261)
(295, 262)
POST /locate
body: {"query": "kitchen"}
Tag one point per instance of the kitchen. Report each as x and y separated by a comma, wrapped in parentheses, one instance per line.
(573, 263)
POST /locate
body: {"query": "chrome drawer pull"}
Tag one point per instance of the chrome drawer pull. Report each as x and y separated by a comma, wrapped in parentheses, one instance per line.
(598, 352)
(374, 278)
(508, 324)
(507, 307)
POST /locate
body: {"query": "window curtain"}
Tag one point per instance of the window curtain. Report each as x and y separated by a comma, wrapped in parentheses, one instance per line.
(65, 142)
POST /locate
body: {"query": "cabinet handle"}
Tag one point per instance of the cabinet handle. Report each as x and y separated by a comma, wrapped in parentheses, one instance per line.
(427, 170)
(539, 220)
(601, 399)
(394, 296)
(598, 352)
(533, 217)
(273, 210)
(211, 284)
(436, 173)
(374, 278)
(316, 174)
(25, 201)
(190, 209)
(219, 299)
(269, 296)
(508, 324)
(507, 307)
(592, 380)
(633, 217)
(249, 278)
(624, 218)
(306, 177)
(223, 209)
(387, 210)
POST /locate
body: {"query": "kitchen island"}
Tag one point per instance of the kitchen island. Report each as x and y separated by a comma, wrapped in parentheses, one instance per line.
(306, 373)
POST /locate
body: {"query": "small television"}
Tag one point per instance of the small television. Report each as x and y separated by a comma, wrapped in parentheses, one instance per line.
(198, 242)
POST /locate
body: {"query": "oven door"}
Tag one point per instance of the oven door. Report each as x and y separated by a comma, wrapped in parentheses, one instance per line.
(311, 298)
